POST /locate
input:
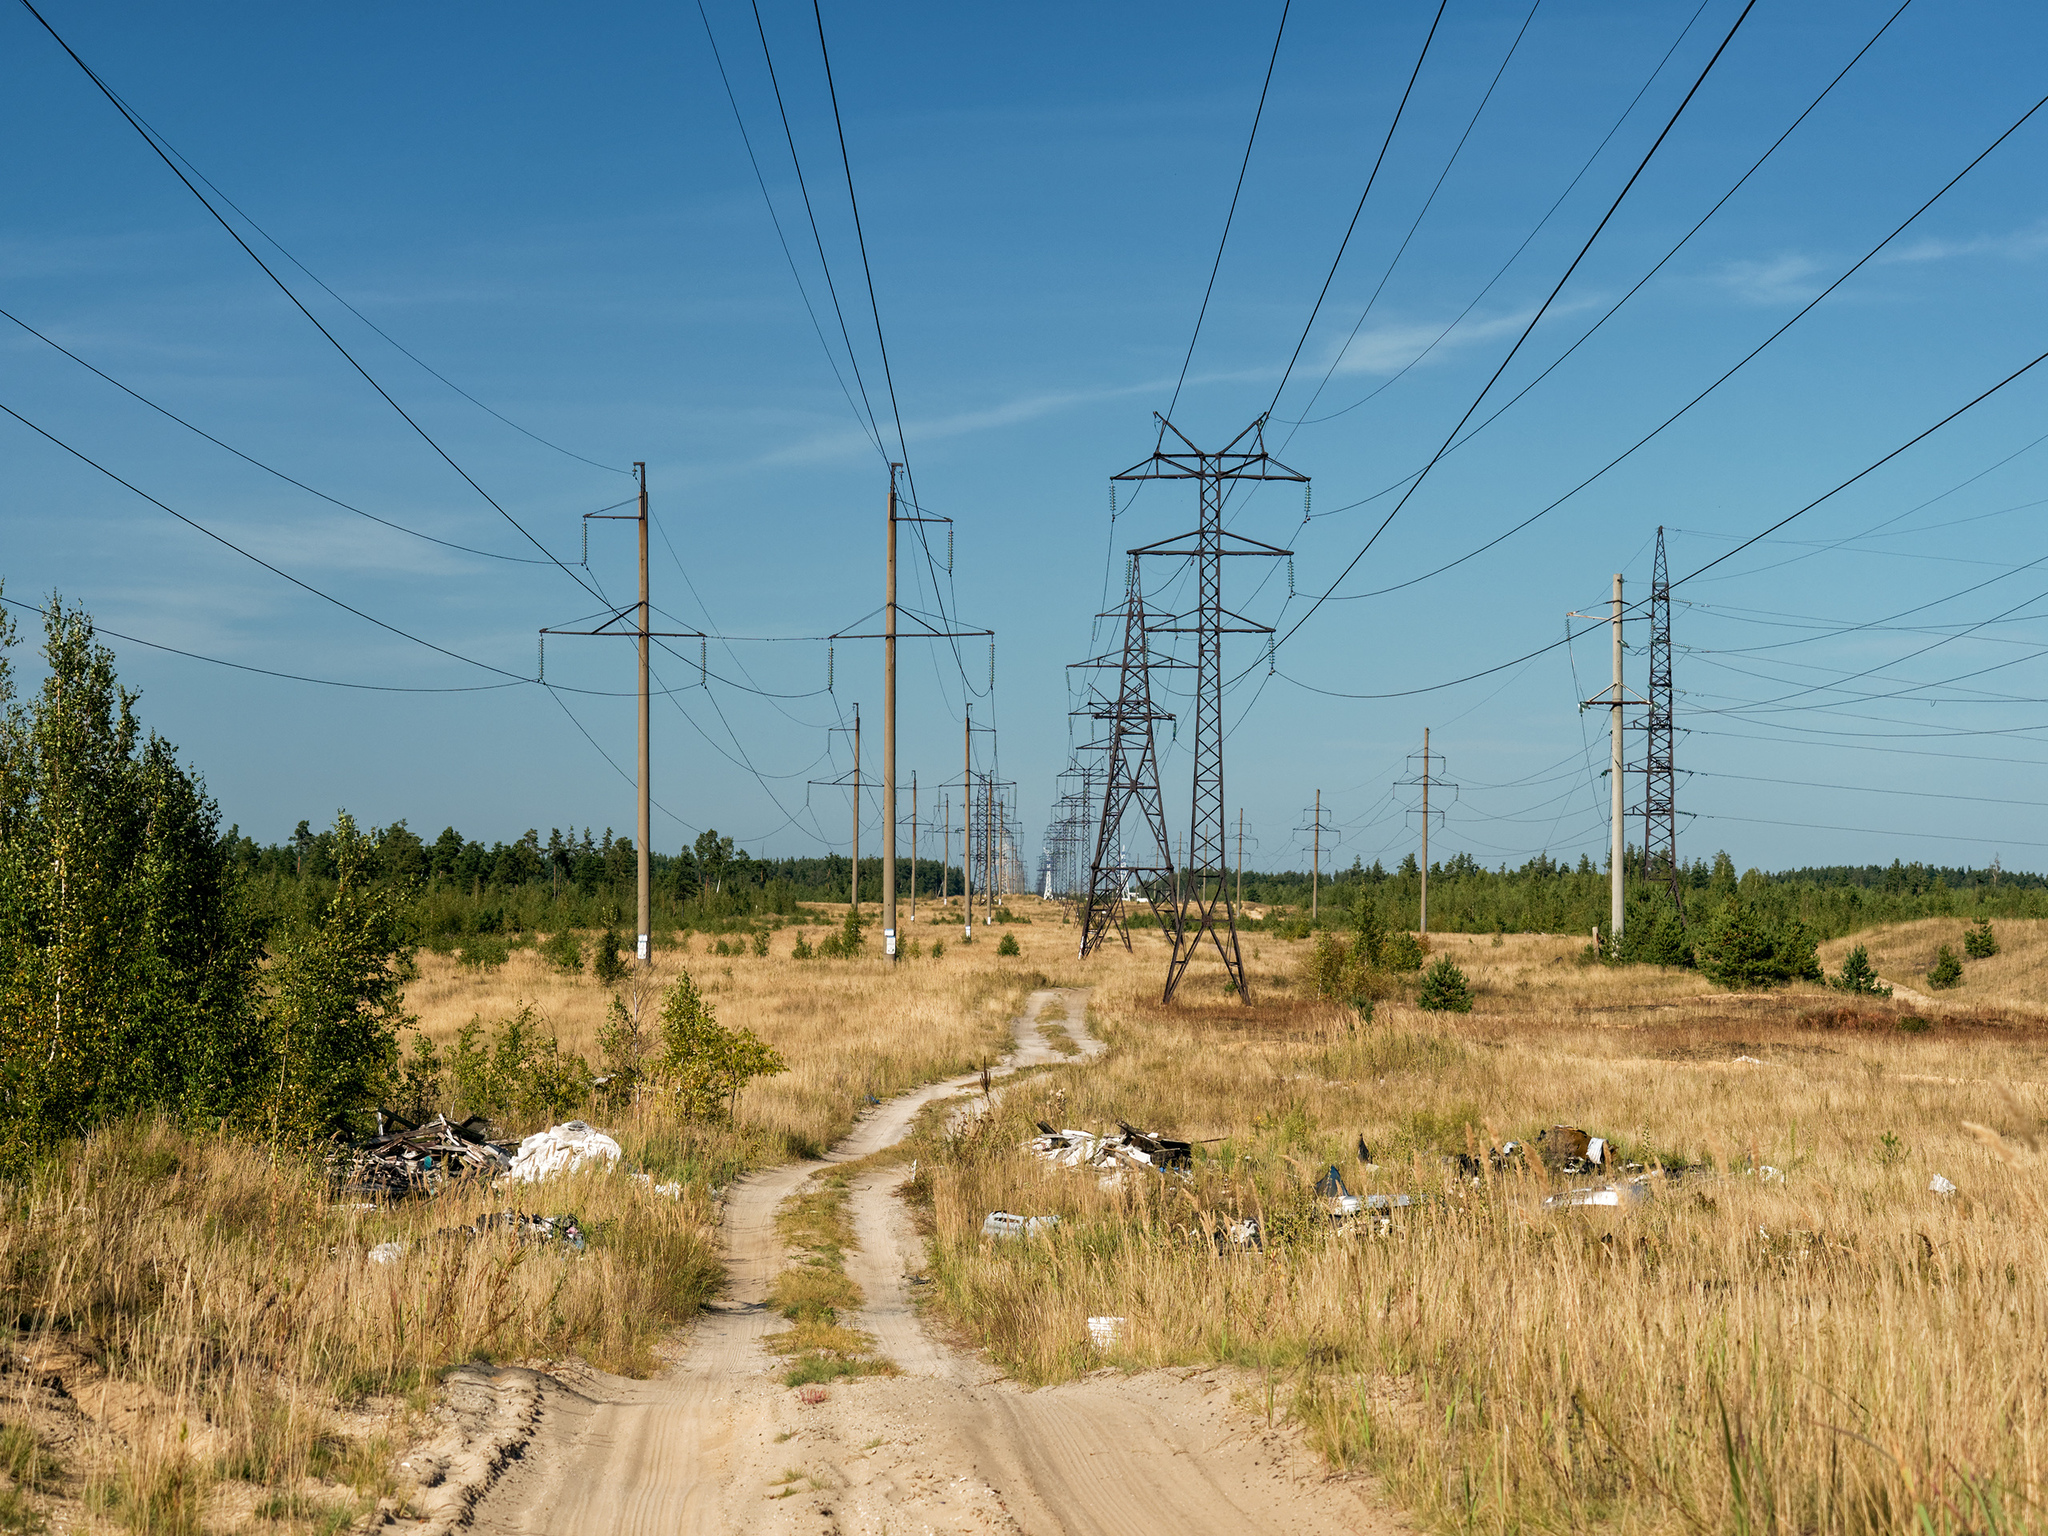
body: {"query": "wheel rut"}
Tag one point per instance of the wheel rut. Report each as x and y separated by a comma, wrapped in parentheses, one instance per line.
(718, 1445)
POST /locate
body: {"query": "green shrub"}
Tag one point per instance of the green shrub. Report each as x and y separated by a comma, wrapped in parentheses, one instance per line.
(1947, 970)
(1859, 976)
(761, 944)
(938, 949)
(802, 949)
(564, 951)
(1652, 934)
(485, 954)
(702, 1062)
(1009, 945)
(849, 942)
(1980, 943)
(1742, 949)
(607, 965)
(1402, 952)
(1444, 988)
(516, 1071)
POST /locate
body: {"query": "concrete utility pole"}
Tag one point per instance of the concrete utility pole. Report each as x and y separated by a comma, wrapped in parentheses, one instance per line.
(1614, 787)
(645, 830)
(1425, 831)
(1315, 876)
(889, 739)
(1240, 855)
(642, 634)
(945, 853)
(913, 845)
(854, 896)
(967, 826)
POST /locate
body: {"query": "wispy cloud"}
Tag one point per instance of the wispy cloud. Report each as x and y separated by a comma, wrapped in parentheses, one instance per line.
(1788, 278)
(2015, 245)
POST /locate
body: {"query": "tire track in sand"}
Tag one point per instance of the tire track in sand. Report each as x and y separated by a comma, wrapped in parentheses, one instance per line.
(717, 1444)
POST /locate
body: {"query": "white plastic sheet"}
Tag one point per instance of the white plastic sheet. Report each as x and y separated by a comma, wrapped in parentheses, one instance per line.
(562, 1149)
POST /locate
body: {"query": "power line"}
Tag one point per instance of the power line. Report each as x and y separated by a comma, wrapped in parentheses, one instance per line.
(1345, 243)
(1231, 216)
(1427, 203)
(283, 288)
(787, 255)
(1510, 403)
(1514, 255)
(293, 677)
(270, 469)
(1542, 310)
(258, 559)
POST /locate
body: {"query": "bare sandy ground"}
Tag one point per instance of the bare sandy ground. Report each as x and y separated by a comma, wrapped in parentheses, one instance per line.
(717, 1444)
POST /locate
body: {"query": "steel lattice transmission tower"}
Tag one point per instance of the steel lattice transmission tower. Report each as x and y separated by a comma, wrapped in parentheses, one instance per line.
(1131, 783)
(1660, 775)
(1205, 906)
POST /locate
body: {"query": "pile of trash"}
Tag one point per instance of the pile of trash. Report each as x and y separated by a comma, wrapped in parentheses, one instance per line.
(404, 1159)
(1006, 1224)
(565, 1230)
(1345, 1206)
(562, 1148)
(1111, 1155)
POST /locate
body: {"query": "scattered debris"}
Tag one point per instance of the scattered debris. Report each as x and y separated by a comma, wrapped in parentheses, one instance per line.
(387, 1253)
(1569, 1150)
(1107, 1332)
(1749, 1061)
(561, 1148)
(1364, 1152)
(666, 1191)
(1004, 1224)
(1941, 1186)
(1618, 1196)
(1242, 1236)
(405, 1159)
(1112, 1154)
(565, 1229)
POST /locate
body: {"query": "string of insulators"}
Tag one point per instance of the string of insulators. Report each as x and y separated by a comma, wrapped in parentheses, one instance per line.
(828, 667)
(1307, 491)
(991, 663)
(543, 659)
(949, 550)
(1269, 655)
(703, 656)
(586, 544)
(1112, 500)
(1290, 575)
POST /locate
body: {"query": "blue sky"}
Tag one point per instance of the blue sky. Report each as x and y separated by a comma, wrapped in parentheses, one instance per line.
(554, 209)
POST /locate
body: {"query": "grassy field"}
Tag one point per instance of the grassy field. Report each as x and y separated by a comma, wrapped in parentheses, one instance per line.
(202, 1340)
(203, 1343)
(1797, 1335)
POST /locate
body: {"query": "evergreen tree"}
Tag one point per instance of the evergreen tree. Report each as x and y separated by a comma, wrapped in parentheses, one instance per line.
(1947, 970)
(1980, 943)
(1444, 988)
(1743, 949)
(1859, 976)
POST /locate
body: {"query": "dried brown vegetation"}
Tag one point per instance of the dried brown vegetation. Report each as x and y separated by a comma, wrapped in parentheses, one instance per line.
(1799, 1336)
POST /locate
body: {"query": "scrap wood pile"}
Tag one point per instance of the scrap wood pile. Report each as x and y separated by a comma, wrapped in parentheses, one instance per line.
(1111, 1155)
(404, 1159)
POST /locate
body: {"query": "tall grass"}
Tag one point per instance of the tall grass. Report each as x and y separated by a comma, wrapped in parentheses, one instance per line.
(1835, 1351)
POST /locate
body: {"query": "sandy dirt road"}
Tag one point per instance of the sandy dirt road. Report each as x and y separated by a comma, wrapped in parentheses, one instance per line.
(717, 1444)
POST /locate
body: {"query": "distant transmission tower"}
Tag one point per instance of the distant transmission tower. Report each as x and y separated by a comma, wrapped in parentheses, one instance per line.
(1131, 785)
(1205, 903)
(1660, 776)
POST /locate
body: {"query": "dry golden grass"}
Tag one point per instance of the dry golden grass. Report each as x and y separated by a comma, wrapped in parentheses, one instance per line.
(211, 1347)
(848, 1028)
(1836, 1351)
(2014, 978)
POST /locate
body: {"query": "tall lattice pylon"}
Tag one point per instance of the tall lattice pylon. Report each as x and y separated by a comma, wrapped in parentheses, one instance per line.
(1205, 904)
(1660, 773)
(1131, 785)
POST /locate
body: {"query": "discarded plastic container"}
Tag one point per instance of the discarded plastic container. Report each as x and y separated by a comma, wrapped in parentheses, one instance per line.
(1940, 1186)
(562, 1149)
(1611, 1196)
(387, 1253)
(1107, 1332)
(1008, 1224)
